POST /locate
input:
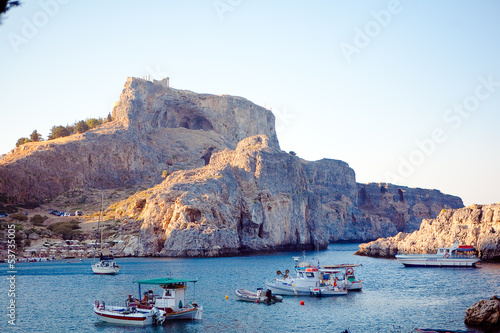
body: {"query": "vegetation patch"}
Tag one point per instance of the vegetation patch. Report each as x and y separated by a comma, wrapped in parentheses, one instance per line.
(68, 230)
(38, 220)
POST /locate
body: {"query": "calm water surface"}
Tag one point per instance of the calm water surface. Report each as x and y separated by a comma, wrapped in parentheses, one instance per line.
(58, 297)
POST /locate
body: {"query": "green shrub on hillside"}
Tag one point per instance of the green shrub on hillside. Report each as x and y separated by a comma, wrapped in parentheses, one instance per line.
(65, 229)
(38, 220)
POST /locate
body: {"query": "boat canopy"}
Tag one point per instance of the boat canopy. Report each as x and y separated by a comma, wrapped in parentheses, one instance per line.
(164, 281)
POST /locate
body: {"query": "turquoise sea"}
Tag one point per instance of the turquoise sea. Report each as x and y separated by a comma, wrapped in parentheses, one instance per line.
(57, 296)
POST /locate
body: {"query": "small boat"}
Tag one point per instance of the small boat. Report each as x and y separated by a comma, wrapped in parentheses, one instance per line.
(310, 280)
(173, 299)
(73, 261)
(258, 297)
(128, 315)
(106, 265)
(455, 256)
(153, 308)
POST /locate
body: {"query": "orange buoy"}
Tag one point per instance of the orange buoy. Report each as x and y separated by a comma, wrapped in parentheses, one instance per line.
(301, 302)
(227, 297)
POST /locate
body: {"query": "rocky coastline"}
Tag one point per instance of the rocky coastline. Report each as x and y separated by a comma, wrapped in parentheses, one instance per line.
(477, 225)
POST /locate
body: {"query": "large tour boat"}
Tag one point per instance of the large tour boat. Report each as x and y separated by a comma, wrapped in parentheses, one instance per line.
(455, 256)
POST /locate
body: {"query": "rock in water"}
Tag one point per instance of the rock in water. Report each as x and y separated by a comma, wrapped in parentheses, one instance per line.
(484, 313)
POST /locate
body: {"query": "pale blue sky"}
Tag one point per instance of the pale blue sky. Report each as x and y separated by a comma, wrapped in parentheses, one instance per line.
(367, 82)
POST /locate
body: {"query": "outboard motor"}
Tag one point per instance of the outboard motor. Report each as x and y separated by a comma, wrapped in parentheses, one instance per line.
(269, 295)
(156, 315)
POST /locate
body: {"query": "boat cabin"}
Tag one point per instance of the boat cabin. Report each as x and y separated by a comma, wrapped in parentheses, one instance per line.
(174, 294)
(456, 251)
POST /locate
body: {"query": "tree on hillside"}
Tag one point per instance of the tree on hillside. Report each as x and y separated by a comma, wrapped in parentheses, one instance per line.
(93, 123)
(22, 141)
(35, 136)
(59, 132)
(81, 127)
(110, 118)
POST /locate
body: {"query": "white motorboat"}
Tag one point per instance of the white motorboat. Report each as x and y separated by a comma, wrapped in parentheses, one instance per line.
(128, 315)
(152, 308)
(455, 256)
(310, 280)
(258, 297)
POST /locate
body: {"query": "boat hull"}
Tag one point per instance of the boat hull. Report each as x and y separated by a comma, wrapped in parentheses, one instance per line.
(250, 296)
(122, 316)
(290, 290)
(105, 270)
(428, 261)
(327, 292)
(194, 313)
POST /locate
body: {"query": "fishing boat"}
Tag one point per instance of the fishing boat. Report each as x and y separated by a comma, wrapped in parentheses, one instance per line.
(105, 265)
(258, 297)
(173, 299)
(455, 256)
(310, 280)
(128, 315)
(153, 308)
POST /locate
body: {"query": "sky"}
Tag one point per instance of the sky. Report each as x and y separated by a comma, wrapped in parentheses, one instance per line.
(406, 92)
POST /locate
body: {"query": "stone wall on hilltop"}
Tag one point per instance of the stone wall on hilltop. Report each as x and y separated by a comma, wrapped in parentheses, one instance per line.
(477, 225)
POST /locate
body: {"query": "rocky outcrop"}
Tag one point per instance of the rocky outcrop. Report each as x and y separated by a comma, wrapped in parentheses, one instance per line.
(477, 225)
(155, 129)
(405, 207)
(334, 202)
(485, 313)
(253, 198)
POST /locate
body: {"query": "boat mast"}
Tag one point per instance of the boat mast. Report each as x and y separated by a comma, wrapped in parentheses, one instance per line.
(100, 218)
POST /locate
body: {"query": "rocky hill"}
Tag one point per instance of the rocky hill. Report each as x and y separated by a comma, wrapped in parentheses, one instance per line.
(477, 225)
(155, 129)
(253, 198)
(227, 187)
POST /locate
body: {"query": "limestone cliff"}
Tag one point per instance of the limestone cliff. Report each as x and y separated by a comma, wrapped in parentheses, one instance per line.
(405, 207)
(253, 198)
(477, 225)
(155, 129)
